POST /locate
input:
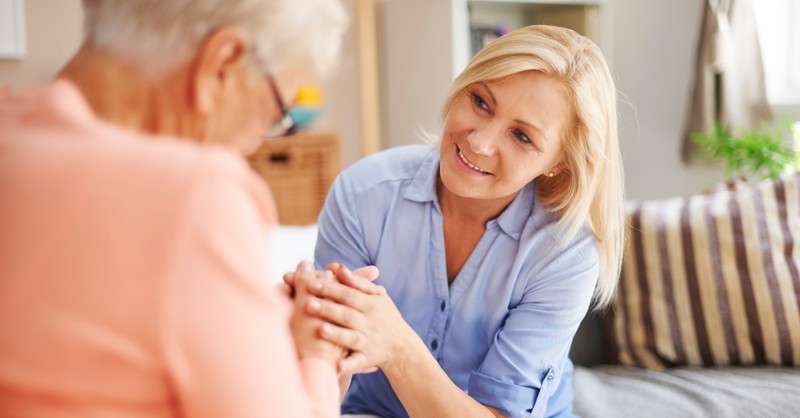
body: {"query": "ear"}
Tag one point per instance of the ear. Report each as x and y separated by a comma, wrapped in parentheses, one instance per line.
(221, 57)
(558, 169)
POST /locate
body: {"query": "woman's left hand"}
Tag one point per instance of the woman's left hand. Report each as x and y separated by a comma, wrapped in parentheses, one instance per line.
(370, 325)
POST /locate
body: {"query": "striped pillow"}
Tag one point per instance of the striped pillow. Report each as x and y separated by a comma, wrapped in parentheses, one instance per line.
(712, 279)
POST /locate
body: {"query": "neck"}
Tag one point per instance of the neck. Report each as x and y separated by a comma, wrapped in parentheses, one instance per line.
(468, 210)
(121, 93)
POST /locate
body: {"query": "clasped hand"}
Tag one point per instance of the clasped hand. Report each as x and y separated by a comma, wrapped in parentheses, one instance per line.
(356, 315)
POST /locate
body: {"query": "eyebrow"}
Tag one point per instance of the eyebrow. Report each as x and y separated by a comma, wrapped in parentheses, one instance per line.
(491, 95)
(520, 121)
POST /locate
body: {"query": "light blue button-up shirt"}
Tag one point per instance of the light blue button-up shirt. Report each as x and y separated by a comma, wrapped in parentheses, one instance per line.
(503, 329)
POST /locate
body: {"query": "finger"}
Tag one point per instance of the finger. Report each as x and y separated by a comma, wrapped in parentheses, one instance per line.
(302, 282)
(285, 289)
(332, 266)
(301, 278)
(354, 363)
(340, 293)
(370, 273)
(295, 278)
(358, 281)
(347, 338)
(333, 312)
(305, 266)
(326, 276)
(288, 278)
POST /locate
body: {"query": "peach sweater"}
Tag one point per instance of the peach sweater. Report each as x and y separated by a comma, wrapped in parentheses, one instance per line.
(133, 276)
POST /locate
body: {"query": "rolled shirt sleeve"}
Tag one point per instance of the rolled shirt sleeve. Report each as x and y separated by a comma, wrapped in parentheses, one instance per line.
(528, 358)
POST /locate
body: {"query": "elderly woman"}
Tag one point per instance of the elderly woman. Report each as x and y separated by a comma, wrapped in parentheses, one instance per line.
(134, 280)
(491, 245)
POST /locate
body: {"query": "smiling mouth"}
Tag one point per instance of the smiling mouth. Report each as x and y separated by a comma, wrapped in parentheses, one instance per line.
(469, 164)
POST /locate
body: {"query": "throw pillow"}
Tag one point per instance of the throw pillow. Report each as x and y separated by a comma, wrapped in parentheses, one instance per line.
(712, 279)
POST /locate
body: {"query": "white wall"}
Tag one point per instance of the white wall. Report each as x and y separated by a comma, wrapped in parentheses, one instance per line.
(654, 44)
(415, 64)
(342, 114)
(53, 32)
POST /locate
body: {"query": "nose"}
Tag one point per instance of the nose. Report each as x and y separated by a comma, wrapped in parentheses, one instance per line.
(483, 140)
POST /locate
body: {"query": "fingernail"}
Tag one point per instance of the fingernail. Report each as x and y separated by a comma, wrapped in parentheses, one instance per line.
(315, 285)
(305, 266)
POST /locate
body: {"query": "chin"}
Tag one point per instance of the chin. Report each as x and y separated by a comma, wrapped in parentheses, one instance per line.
(456, 186)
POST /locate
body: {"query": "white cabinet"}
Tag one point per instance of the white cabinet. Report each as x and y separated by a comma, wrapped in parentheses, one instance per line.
(424, 44)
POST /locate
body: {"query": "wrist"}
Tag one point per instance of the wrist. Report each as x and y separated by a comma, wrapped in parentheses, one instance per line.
(321, 350)
(406, 352)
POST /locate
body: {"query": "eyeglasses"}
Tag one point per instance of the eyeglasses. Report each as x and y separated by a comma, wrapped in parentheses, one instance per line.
(286, 126)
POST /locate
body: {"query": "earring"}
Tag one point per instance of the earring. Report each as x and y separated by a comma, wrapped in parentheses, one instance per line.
(551, 174)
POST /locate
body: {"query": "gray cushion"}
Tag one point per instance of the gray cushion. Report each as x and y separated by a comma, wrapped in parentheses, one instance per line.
(622, 392)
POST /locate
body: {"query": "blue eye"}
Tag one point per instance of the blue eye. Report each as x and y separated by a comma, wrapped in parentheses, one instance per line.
(521, 137)
(479, 102)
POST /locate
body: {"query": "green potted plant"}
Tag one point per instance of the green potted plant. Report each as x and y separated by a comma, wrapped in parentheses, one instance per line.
(754, 154)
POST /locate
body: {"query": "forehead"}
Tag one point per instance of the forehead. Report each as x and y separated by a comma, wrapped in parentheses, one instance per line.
(527, 85)
(532, 97)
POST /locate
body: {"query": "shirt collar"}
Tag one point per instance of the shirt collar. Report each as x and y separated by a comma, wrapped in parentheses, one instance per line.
(423, 185)
(516, 215)
(59, 101)
(511, 221)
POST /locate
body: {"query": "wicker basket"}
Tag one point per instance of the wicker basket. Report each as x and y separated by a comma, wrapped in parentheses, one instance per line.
(299, 171)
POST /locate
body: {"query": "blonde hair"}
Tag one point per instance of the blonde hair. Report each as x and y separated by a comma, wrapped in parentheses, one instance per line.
(161, 34)
(591, 186)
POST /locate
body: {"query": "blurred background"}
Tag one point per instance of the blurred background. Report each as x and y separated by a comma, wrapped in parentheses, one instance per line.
(400, 56)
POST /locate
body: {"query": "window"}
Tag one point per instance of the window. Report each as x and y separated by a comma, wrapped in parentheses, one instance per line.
(779, 37)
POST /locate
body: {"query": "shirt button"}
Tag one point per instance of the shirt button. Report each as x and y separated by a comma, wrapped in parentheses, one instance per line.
(551, 375)
(435, 344)
(443, 305)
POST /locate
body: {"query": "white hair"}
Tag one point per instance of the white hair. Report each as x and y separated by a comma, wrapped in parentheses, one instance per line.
(160, 34)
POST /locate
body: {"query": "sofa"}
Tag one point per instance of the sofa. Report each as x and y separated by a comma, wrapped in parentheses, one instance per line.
(706, 319)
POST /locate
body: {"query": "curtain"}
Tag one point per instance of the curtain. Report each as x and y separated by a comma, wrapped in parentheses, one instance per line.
(780, 47)
(729, 74)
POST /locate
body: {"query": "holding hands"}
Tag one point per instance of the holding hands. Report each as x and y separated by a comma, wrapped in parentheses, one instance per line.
(352, 313)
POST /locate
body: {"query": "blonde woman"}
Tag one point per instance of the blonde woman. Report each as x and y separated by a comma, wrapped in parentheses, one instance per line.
(491, 246)
(132, 254)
